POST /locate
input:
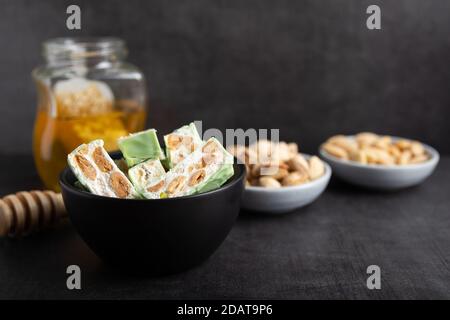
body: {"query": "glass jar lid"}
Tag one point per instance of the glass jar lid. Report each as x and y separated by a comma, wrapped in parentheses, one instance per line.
(60, 51)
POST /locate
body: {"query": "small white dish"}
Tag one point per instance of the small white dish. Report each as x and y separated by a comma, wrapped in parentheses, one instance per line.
(285, 199)
(383, 177)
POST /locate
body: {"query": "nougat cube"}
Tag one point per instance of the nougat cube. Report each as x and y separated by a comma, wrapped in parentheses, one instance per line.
(181, 143)
(148, 178)
(98, 173)
(205, 169)
(139, 147)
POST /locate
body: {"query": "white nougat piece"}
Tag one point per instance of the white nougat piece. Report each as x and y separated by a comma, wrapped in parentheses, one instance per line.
(96, 171)
(148, 178)
(181, 143)
(208, 164)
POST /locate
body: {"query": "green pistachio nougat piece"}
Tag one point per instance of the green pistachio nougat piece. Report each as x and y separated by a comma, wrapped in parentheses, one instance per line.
(205, 169)
(98, 173)
(140, 146)
(148, 178)
(181, 143)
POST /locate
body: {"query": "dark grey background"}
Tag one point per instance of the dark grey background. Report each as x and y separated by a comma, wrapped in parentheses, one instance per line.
(310, 68)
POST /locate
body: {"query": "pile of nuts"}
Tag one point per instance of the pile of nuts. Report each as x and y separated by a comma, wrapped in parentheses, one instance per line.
(370, 148)
(86, 102)
(276, 165)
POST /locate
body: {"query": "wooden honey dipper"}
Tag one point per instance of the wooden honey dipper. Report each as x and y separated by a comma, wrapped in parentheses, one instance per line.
(25, 212)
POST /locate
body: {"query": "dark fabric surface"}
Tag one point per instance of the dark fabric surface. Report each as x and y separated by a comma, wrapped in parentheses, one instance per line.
(310, 68)
(321, 251)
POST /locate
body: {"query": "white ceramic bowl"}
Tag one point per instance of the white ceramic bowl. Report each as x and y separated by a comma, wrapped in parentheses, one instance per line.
(383, 177)
(285, 199)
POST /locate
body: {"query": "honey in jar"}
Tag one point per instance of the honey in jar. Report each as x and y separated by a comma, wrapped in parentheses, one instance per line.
(73, 108)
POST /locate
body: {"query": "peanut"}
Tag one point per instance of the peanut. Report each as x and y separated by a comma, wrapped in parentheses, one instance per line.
(403, 144)
(344, 143)
(187, 141)
(86, 167)
(298, 163)
(336, 151)
(282, 151)
(372, 155)
(176, 184)
(156, 187)
(174, 141)
(385, 158)
(210, 147)
(208, 158)
(100, 160)
(405, 157)
(119, 184)
(269, 182)
(383, 142)
(360, 156)
(394, 151)
(295, 178)
(417, 149)
(316, 168)
(280, 174)
(197, 177)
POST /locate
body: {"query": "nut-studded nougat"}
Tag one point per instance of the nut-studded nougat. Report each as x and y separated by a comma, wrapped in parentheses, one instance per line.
(139, 147)
(181, 143)
(148, 178)
(98, 173)
(205, 169)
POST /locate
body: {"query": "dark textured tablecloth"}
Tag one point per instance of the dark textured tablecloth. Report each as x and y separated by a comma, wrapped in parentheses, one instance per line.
(321, 251)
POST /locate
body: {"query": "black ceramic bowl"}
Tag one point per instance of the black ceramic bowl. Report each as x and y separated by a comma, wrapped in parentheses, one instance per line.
(154, 237)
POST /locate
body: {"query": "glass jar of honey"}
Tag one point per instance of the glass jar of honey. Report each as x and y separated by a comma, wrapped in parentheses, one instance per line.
(86, 91)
